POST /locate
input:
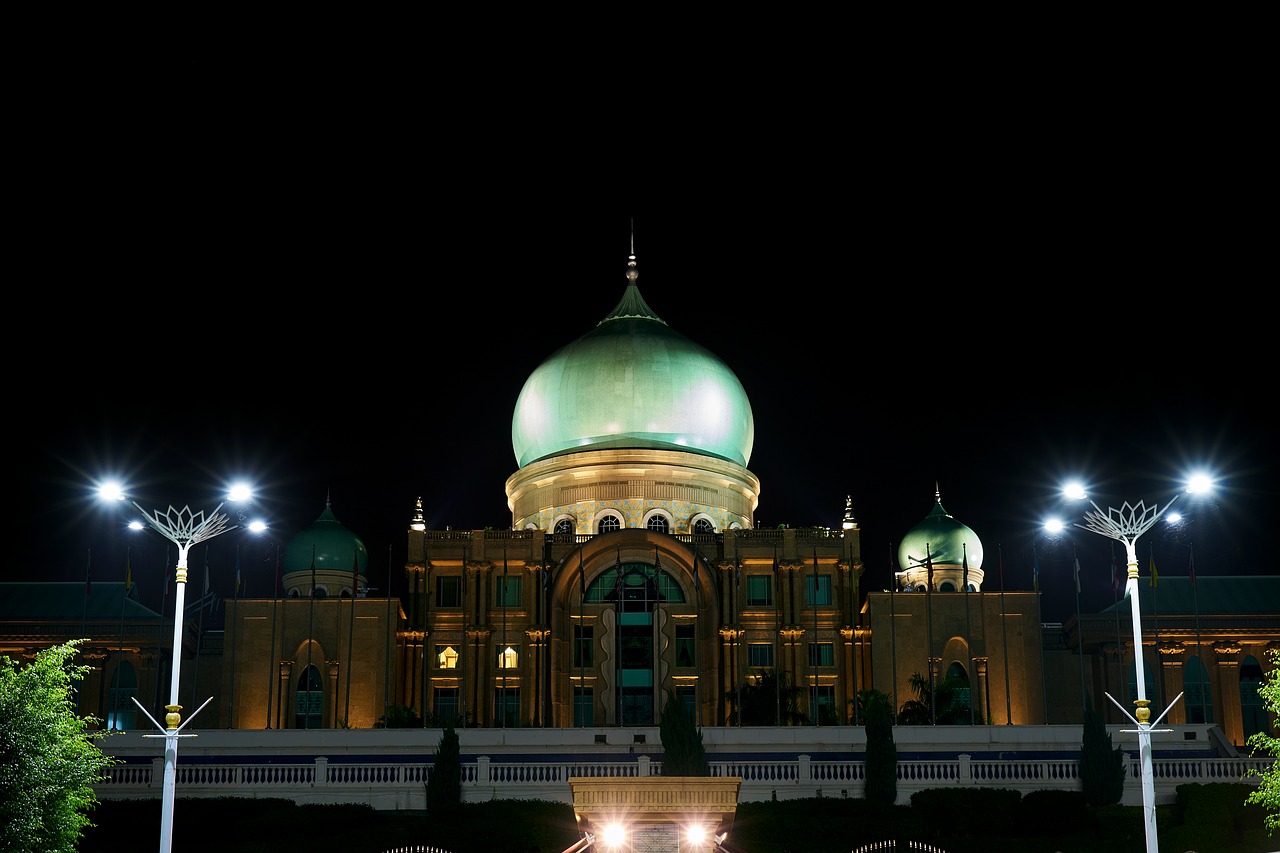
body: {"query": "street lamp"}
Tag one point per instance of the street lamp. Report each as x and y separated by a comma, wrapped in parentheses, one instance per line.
(183, 528)
(1125, 525)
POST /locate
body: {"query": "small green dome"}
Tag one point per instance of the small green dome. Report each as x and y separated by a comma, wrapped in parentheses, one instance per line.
(942, 539)
(632, 382)
(334, 546)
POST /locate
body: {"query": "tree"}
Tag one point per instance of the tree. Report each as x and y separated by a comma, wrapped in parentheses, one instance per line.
(756, 702)
(1268, 793)
(946, 697)
(444, 785)
(48, 759)
(683, 752)
(882, 752)
(1101, 767)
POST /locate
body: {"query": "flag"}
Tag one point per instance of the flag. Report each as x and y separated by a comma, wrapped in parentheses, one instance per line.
(1076, 568)
(928, 562)
(1035, 570)
(1115, 573)
(1155, 576)
(313, 572)
(206, 570)
(237, 592)
(1191, 567)
(355, 573)
(128, 572)
(964, 562)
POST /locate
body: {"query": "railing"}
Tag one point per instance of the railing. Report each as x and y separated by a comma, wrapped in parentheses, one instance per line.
(402, 785)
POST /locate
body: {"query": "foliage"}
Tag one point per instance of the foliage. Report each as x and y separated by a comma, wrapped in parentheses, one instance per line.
(882, 752)
(444, 785)
(1267, 794)
(1101, 767)
(756, 702)
(946, 697)
(683, 752)
(48, 759)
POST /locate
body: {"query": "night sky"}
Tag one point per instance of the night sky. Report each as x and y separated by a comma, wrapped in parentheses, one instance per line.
(345, 303)
(868, 383)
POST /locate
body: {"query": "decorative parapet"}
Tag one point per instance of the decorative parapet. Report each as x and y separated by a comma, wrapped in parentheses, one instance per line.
(654, 799)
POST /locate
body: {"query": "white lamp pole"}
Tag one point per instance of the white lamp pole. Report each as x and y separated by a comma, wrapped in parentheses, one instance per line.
(183, 528)
(1126, 525)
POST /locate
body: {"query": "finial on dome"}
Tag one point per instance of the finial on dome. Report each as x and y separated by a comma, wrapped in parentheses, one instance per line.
(937, 492)
(632, 272)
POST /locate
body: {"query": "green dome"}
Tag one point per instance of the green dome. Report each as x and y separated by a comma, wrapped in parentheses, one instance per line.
(632, 382)
(947, 542)
(334, 547)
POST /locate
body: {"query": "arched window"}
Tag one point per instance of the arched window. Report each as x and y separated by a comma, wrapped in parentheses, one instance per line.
(946, 586)
(703, 525)
(658, 523)
(564, 527)
(958, 680)
(609, 523)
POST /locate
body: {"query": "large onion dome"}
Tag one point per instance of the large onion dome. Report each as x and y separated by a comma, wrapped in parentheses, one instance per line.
(632, 382)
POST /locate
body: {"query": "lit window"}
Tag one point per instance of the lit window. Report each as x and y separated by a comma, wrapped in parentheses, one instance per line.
(821, 654)
(657, 523)
(819, 594)
(446, 657)
(509, 658)
(759, 591)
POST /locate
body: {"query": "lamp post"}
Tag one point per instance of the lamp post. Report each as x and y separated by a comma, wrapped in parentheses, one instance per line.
(185, 529)
(1125, 525)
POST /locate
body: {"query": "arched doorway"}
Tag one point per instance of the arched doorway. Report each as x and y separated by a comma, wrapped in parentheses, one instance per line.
(122, 714)
(309, 700)
(637, 593)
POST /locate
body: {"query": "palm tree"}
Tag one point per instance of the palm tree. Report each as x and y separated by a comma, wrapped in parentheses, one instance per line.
(947, 698)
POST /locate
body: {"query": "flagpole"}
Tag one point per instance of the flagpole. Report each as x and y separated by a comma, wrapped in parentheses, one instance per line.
(272, 673)
(464, 659)
(271, 669)
(426, 622)
(582, 652)
(502, 655)
(817, 652)
(351, 635)
(195, 675)
(777, 631)
(115, 678)
(928, 658)
(235, 636)
(164, 596)
(853, 623)
(893, 628)
(1155, 616)
(84, 619)
(1079, 631)
(1195, 596)
(311, 633)
(1115, 597)
(968, 628)
(386, 661)
(281, 719)
(1035, 583)
(1004, 631)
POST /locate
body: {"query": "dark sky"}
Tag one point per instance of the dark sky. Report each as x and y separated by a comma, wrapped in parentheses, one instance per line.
(869, 381)
(295, 282)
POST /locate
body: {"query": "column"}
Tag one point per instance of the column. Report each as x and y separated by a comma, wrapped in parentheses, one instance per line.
(1226, 680)
(1172, 657)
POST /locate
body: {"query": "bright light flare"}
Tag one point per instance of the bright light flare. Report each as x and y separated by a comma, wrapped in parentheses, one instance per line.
(1074, 491)
(614, 835)
(697, 834)
(1054, 525)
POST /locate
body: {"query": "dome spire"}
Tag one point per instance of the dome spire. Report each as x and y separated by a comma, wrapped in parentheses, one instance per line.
(632, 306)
